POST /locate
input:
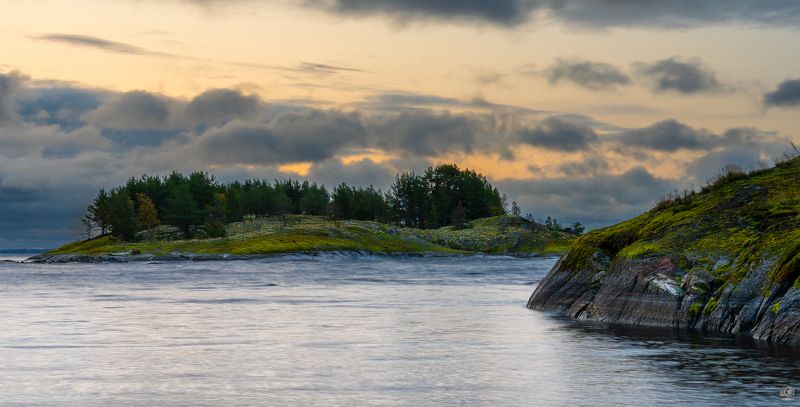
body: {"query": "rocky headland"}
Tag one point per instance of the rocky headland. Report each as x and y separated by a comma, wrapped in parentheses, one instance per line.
(726, 259)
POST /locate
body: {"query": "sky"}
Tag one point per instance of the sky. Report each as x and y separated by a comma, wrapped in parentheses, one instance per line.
(582, 110)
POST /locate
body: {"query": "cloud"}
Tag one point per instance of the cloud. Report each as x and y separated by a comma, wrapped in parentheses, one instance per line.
(9, 84)
(747, 150)
(309, 68)
(487, 78)
(426, 133)
(592, 164)
(394, 100)
(677, 14)
(133, 110)
(64, 142)
(61, 106)
(786, 95)
(325, 68)
(400, 101)
(218, 106)
(587, 74)
(671, 135)
(360, 173)
(581, 14)
(102, 44)
(97, 43)
(673, 74)
(555, 133)
(289, 137)
(668, 135)
(594, 199)
(37, 218)
(500, 12)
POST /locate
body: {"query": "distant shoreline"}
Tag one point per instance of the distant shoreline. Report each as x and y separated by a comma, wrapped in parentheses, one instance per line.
(190, 257)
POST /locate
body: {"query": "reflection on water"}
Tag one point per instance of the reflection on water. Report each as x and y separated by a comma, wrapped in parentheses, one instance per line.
(345, 331)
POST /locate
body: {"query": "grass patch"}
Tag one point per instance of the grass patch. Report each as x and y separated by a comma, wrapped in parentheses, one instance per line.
(711, 306)
(775, 308)
(695, 309)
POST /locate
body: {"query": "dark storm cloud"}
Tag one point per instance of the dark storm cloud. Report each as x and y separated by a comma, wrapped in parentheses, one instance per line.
(289, 137)
(587, 74)
(786, 95)
(671, 135)
(675, 13)
(673, 74)
(582, 14)
(502, 12)
(668, 135)
(60, 106)
(37, 218)
(555, 133)
(426, 133)
(219, 106)
(133, 110)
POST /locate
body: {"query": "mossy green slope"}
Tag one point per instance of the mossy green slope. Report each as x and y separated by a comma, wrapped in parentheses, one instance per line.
(497, 235)
(726, 230)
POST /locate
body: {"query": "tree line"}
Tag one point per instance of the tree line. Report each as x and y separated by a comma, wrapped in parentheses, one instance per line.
(444, 195)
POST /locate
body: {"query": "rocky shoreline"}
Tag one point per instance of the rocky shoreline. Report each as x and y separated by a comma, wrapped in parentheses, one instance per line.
(137, 258)
(655, 292)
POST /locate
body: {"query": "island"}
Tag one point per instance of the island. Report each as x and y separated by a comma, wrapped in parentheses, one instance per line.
(723, 259)
(445, 211)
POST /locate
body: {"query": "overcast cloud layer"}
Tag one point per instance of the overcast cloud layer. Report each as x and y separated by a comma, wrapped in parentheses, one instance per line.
(59, 144)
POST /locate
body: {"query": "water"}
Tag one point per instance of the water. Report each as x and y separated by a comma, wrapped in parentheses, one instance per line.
(345, 331)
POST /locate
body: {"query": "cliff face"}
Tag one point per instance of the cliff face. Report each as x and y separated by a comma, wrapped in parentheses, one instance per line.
(725, 260)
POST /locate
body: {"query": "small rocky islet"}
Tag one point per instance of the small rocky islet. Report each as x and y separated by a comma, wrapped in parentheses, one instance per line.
(301, 234)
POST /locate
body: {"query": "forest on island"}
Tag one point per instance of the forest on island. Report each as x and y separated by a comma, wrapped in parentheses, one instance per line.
(200, 206)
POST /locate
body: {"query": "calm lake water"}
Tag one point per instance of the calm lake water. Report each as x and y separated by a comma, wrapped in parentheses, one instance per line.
(345, 331)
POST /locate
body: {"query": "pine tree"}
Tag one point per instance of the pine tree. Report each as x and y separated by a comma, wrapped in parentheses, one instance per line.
(578, 229)
(215, 217)
(99, 212)
(459, 216)
(122, 215)
(515, 210)
(283, 205)
(182, 211)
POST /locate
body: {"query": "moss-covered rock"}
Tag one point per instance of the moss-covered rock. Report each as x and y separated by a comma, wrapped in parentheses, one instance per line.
(733, 250)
